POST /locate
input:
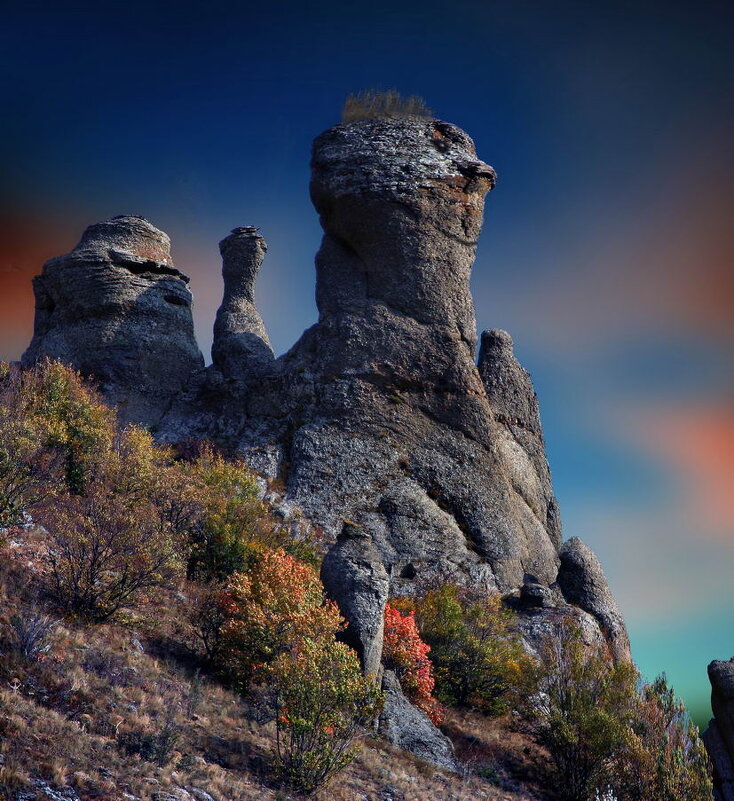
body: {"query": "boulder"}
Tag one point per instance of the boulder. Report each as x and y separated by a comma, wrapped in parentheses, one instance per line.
(719, 737)
(410, 729)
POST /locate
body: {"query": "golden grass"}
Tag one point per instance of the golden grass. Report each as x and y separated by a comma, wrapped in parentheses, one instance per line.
(63, 719)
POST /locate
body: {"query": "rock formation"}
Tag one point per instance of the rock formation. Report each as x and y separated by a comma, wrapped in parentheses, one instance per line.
(378, 415)
(719, 737)
(117, 309)
(241, 346)
(582, 582)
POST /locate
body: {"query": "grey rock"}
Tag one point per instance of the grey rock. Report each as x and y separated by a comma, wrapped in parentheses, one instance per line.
(354, 577)
(515, 406)
(409, 728)
(719, 737)
(241, 346)
(200, 795)
(175, 794)
(582, 581)
(117, 309)
(721, 761)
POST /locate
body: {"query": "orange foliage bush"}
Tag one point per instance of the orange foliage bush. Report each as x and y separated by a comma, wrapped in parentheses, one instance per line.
(405, 652)
(278, 602)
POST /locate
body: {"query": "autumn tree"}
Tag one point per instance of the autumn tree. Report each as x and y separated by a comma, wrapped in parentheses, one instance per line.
(105, 549)
(281, 632)
(276, 603)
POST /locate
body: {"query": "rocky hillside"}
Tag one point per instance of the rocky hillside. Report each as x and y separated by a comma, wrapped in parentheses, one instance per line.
(419, 471)
(379, 414)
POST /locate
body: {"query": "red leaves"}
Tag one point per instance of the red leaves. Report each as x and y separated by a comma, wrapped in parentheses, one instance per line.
(405, 652)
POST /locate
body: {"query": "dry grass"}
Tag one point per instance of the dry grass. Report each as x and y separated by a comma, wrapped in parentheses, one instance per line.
(372, 104)
(65, 717)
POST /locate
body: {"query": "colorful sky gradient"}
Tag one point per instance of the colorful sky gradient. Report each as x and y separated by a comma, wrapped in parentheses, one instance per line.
(607, 248)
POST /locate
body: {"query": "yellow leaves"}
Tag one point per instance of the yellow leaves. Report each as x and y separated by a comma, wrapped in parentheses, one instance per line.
(278, 602)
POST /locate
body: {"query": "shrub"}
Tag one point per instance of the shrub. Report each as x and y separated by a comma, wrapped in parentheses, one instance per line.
(373, 103)
(104, 550)
(666, 759)
(225, 538)
(585, 720)
(31, 630)
(151, 745)
(479, 662)
(25, 468)
(321, 701)
(404, 652)
(275, 604)
(76, 424)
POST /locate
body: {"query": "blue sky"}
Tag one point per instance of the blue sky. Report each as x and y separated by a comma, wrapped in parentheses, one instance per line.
(607, 243)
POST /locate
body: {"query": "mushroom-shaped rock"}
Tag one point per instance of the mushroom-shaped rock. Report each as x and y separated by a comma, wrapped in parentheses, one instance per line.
(116, 309)
(401, 203)
(583, 583)
(354, 576)
(241, 346)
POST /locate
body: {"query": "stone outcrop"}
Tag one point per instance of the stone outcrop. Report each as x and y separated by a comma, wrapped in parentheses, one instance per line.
(353, 573)
(582, 581)
(379, 414)
(719, 737)
(409, 728)
(117, 309)
(515, 406)
(241, 347)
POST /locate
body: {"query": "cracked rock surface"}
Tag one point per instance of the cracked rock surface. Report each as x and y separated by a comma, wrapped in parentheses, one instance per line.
(117, 309)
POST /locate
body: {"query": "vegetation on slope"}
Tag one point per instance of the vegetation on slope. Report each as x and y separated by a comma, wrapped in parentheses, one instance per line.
(163, 637)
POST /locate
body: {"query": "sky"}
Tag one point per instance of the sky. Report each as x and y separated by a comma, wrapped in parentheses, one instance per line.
(606, 251)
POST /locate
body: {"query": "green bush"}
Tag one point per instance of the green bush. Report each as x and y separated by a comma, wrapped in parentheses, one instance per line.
(321, 702)
(479, 662)
(586, 716)
(611, 736)
(666, 759)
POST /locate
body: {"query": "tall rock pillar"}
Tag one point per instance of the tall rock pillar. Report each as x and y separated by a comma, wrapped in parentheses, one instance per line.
(241, 346)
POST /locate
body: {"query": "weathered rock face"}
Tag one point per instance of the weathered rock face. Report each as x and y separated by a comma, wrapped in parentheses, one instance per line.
(117, 309)
(396, 429)
(241, 347)
(515, 406)
(378, 415)
(719, 737)
(583, 583)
